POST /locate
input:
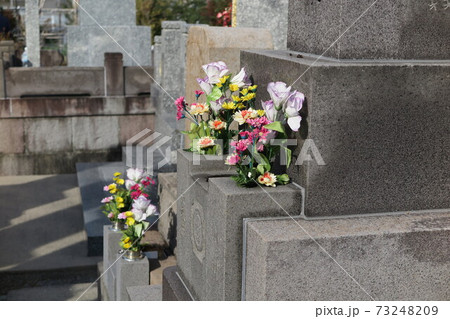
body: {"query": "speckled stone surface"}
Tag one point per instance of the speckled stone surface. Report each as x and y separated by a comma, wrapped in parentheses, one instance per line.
(129, 274)
(401, 29)
(265, 14)
(381, 128)
(107, 12)
(111, 246)
(167, 222)
(86, 44)
(209, 234)
(402, 257)
(145, 293)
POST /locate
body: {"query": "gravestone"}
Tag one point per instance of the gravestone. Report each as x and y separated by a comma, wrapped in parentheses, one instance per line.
(108, 26)
(33, 38)
(264, 14)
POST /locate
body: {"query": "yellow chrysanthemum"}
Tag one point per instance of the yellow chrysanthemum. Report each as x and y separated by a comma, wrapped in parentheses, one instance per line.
(229, 105)
(129, 214)
(126, 240)
(223, 79)
(112, 188)
(130, 221)
(234, 87)
(121, 205)
(127, 245)
(120, 181)
(261, 112)
(119, 199)
(236, 98)
(240, 106)
(116, 174)
(249, 97)
(252, 88)
(244, 92)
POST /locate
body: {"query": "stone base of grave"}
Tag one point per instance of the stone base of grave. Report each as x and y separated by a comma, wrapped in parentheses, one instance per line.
(111, 246)
(167, 223)
(145, 293)
(173, 288)
(129, 274)
(396, 257)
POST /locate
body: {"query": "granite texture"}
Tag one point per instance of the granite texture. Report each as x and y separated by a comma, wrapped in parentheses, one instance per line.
(33, 38)
(402, 29)
(111, 247)
(130, 273)
(209, 231)
(107, 12)
(265, 14)
(135, 40)
(380, 127)
(145, 293)
(172, 287)
(114, 74)
(167, 222)
(402, 257)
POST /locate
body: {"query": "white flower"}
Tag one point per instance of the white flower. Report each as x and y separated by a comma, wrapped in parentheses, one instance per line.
(129, 183)
(293, 106)
(205, 142)
(204, 84)
(139, 214)
(141, 203)
(268, 179)
(217, 105)
(215, 71)
(268, 107)
(135, 174)
(241, 79)
(152, 210)
(242, 116)
(279, 93)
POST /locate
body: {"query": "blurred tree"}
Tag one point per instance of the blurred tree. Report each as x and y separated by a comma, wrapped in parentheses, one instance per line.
(153, 12)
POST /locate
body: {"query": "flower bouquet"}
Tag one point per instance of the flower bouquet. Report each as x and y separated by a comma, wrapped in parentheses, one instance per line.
(262, 137)
(128, 201)
(212, 115)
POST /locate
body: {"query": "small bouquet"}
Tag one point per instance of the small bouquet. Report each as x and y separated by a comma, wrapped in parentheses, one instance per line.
(262, 136)
(128, 201)
(225, 96)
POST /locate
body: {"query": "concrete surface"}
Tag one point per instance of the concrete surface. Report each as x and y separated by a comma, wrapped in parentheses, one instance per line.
(42, 224)
(145, 293)
(167, 223)
(56, 293)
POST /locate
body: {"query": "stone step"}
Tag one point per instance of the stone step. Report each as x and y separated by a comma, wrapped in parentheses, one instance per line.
(71, 292)
(145, 293)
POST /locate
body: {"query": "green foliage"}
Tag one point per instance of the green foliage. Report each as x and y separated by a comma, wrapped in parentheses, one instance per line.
(153, 12)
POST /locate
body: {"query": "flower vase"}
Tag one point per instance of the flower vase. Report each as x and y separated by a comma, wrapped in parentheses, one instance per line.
(131, 255)
(117, 226)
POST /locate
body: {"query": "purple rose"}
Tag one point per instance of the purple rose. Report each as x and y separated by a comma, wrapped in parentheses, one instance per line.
(279, 93)
(215, 71)
(293, 105)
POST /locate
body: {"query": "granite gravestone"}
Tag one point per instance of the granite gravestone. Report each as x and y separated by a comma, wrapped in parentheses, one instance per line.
(108, 26)
(33, 38)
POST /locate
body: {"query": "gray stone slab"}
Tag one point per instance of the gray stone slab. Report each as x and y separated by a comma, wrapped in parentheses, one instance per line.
(402, 257)
(173, 288)
(111, 247)
(91, 179)
(87, 44)
(381, 128)
(209, 232)
(55, 293)
(107, 12)
(265, 14)
(32, 32)
(145, 293)
(167, 222)
(401, 29)
(130, 273)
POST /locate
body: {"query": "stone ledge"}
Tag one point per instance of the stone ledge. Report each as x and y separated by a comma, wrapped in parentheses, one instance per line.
(396, 257)
(145, 293)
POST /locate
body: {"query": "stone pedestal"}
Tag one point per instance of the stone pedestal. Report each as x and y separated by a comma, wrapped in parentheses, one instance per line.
(265, 14)
(130, 273)
(380, 127)
(111, 247)
(209, 234)
(167, 222)
(33, 40)
(402, 257)
(108, 26)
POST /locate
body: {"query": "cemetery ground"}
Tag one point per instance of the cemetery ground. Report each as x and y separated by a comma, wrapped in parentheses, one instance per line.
(43, 243)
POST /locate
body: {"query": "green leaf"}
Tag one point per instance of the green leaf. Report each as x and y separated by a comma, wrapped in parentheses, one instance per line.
(288, 154)
(137, 230)
(275, 126)
(214, 95)
(261, 169)
(283, 179)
